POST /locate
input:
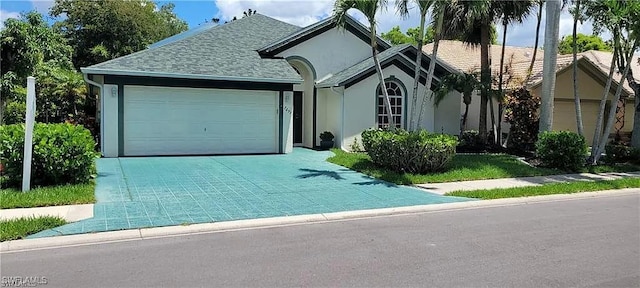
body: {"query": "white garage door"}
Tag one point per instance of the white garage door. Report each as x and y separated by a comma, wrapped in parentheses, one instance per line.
(191, 121)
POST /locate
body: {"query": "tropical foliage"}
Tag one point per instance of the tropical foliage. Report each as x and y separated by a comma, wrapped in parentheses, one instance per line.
(583, 43)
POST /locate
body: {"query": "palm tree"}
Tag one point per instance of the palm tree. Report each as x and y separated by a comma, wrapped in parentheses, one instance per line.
(466, 83)
(403, 9)
(552, 29)
(477, 15)
(511, 11)
(369, 9)
(622, 19)
(535, 45)
(576, 17)
(438, 13)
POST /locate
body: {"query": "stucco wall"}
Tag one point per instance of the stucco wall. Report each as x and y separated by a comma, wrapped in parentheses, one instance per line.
(590, 91)
(331, 51)
(474, 113)
(360, 105)
(448, 114)
(332, 113)
(110, 121)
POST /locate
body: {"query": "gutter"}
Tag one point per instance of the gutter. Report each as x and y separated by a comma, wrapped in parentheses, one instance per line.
(185, 76)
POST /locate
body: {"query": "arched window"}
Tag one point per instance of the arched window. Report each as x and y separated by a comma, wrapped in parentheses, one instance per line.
(397, 101)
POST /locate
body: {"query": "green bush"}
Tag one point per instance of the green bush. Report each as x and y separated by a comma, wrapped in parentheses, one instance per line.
(635, 156)
(520, 112)
(62, 154)
(14, 113)
(562, 149)
(411, 152)
(470, 141)
(616, 153)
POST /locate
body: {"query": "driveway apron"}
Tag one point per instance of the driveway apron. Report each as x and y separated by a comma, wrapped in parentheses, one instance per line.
(138, 192)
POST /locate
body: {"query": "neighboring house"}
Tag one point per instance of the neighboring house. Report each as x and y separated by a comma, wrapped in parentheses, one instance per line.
(256, 85)
(592, 76)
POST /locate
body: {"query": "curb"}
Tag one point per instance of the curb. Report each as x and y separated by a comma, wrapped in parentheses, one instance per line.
(205, 228)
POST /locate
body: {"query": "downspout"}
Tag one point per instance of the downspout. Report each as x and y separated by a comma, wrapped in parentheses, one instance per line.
(101, 87)
(342, 118)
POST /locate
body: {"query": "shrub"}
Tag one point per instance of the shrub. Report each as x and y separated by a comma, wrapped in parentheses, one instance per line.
(617, 153)
(470, 141)
(411, 152)
(355, 146)
(521, 113)
(562, 149)
(14, 113)
(62, 153)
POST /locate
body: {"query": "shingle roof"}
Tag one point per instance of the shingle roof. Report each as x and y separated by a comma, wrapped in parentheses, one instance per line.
(343, 76)
(226, 51)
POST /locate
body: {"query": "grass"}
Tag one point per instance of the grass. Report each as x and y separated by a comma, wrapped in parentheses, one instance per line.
(548, 189)
(622, 167)
(463, 167)
(48, 196)
(22, 227)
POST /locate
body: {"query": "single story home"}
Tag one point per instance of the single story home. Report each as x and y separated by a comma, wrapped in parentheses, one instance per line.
(593, 70)
(258, 85)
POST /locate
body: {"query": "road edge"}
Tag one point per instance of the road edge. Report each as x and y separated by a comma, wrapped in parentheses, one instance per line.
(204, 228)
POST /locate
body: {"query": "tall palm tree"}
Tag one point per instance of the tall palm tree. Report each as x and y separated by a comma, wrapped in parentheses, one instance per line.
(552, 29)
(577, 16)
(540, 4)
(438, 15)
(369, 9)
(477, 15)
(512, 11)
(402, 7)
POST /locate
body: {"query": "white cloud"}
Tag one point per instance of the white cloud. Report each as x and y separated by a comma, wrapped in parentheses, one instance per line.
(301, 13)
(42, 6)
(306, 12)
(4, 15)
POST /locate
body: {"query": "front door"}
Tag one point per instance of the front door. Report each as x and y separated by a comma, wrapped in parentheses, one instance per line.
(297, 117)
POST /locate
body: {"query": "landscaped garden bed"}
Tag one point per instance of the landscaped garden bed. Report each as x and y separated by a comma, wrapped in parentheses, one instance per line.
(463, 167)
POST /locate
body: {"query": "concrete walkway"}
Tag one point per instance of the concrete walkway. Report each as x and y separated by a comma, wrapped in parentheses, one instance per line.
(71, 213)
(443, 188)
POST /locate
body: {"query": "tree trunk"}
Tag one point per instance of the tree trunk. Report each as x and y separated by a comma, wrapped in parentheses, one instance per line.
(485, 79)
(535, 46)
(576, 97)
(612, 109)
(549, 64)
(383, 86)
(432, 66)
(416, 72)
(635, 135)
(464, 119)
(500, 89)
(603, 102)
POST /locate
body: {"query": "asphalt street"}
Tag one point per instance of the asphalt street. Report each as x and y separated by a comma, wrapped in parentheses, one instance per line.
(591, 242)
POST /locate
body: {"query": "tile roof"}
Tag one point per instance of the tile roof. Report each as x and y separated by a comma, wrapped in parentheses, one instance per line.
(467, 59)
(226, 51)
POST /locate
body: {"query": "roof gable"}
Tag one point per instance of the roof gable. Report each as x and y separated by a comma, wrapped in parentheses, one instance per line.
(304, 34)
(220, 52)
(396, 55)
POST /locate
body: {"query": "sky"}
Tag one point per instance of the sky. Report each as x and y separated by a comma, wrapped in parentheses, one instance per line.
(304, 12)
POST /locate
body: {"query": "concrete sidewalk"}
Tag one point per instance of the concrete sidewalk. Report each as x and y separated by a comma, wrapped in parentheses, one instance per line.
(443, 188)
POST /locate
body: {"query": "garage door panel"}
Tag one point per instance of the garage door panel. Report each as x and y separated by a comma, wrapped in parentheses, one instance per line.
(189, 121)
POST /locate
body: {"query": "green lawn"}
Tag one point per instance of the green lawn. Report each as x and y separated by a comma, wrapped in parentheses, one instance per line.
(464, 167)
(548, 189)
(48, 196)
(22, 227)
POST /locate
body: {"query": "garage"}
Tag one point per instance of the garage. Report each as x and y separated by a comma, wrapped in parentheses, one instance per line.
(198, 121)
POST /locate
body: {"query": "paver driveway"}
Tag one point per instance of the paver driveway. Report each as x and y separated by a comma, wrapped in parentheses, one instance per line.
(160, 191)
